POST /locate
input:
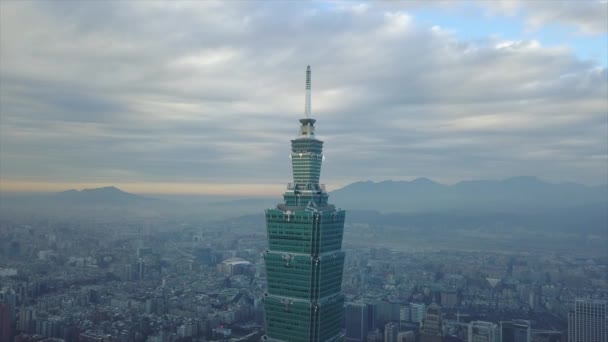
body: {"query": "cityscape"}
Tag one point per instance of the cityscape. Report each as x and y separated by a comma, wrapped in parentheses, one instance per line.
(178, 238)
(178, 280)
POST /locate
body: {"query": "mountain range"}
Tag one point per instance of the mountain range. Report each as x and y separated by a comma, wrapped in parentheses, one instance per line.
(519, 200)
(108, 195)
(518, 194)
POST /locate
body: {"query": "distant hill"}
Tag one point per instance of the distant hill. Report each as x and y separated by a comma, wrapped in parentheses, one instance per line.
(108, 195)
(519, 194)
(94, 203)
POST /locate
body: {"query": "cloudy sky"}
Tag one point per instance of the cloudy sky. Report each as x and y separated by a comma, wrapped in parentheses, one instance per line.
(203, 96)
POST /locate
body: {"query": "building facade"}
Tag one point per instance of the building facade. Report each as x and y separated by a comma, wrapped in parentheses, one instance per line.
(406, 336)
(417, 312)
(432, 328)
(356, 322)
(391, 332)
(480, 331)
(588, 322)
(5, 323)
(515, 331)
(304, 261)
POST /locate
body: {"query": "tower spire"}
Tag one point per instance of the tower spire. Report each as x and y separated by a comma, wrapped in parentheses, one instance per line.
(307, 105)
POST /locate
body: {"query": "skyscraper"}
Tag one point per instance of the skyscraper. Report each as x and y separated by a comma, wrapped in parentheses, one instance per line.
(5, 322)
(387, 312)
(356, 322)
(304, 261)
(588, 321)
(515, 331)
(432, 325)
(391, 332)
(417, 312)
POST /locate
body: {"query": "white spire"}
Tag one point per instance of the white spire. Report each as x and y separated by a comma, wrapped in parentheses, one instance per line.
(307, 105)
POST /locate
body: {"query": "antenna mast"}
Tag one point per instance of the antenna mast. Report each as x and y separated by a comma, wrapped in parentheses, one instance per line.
(307, 105)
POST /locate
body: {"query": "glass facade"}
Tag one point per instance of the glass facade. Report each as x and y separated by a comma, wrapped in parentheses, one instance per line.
(304, 261)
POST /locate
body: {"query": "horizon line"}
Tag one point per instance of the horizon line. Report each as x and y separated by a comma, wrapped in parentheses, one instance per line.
(222, 189)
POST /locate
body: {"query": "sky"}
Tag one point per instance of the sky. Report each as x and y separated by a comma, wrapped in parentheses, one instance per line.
(203, 97)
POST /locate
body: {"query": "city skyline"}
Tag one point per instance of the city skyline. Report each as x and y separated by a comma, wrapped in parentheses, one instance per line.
(170, 173)
(484, 90)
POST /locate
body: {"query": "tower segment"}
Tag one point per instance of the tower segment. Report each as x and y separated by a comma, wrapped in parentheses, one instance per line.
(304, 260)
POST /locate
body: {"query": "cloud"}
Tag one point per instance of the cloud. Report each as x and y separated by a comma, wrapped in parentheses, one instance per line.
(587, 17)
(590, 17)
(210, 92)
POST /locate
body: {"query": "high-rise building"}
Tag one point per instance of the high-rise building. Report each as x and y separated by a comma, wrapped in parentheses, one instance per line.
(515, 331)
(141, 269)
(391, 332)
(404, 313)
(5, 323)
(356, 322)
(417, 312)
(588, 321)
(27, 320)
(304, 261)
(480, 331)
(432, 329)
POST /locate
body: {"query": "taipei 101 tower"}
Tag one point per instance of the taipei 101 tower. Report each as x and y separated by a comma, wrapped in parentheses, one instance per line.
(304, 261)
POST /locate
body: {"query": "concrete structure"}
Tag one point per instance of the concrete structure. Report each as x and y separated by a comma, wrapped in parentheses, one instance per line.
(233, 266)
(449, 298)
(374, 336)
(304, 261)
(406, 336)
